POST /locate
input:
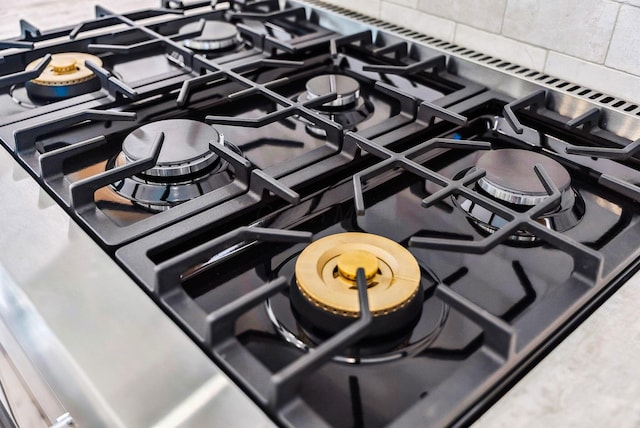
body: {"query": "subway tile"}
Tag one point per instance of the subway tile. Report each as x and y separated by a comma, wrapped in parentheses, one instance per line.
(483, 14)
(366, 7)
(418, 21)
(594, 76)
(581, 28)
(501, 47)
(624, 50)
(407, 3)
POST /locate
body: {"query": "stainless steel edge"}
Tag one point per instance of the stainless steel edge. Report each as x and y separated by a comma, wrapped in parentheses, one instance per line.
(110, 356)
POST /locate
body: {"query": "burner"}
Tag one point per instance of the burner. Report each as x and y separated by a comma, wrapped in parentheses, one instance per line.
(346, 88)
(348, 109)
(186, 167)
(65, 76)
(325, 294)
(510, 176)
(216, 36)
(511, 179)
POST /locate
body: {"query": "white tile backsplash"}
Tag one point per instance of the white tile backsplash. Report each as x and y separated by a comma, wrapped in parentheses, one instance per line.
(420, 21)
(595, 43)
(501, 47)
(483, 14)
(624, 51)
(561, 25)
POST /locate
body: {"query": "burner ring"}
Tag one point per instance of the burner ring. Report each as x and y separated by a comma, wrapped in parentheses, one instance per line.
(185, 150)
(346, 88)
(215, 36)
(324, 272)
(510, 176)
(65, 76)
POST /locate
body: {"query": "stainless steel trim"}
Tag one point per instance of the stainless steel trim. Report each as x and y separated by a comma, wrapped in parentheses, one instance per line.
(111, 357)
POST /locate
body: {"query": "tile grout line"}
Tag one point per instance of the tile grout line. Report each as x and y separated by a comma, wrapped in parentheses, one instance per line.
(615, 25)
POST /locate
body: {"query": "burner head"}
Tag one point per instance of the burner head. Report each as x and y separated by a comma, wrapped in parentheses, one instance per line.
(326, 295)
(215, 36)
(186, 167)
(349, 109)
(65, 76)
(346, 88)
(510, 176)
(185, 149)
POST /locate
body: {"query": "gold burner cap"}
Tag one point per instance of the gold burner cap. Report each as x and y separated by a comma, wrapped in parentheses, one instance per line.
(63, 64)
(65, 69)
(326, 273)
(349, 262)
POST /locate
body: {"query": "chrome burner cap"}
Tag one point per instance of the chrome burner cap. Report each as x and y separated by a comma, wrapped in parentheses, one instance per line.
(510, 176)
(185, 149)
(215, 36)
(347, 89)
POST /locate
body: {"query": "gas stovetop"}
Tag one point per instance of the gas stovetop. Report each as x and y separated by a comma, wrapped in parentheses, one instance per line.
(360, 228)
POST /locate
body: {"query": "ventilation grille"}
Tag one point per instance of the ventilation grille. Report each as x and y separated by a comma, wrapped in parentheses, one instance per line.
(487, 60)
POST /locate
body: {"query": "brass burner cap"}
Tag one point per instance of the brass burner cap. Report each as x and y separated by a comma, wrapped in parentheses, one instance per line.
(326, 272)
(350, 261)
(65, 69)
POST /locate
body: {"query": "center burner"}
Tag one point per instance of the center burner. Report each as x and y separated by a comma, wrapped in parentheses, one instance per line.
(65, 76)
(186, 167)
(348, 109)
(326, 294)
(510, 178)
(216, 36)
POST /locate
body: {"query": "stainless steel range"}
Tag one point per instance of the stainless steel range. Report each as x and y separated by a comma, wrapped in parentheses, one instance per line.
(352, 223)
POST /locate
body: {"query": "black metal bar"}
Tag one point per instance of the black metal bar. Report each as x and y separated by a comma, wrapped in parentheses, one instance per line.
(268, 62)
(286, 382)
(297, 13)
(400, 50)
(257, 122)
(23, 76)
(29, 31)
(114, 86)
(241, 166)
(167, 274)
(588, 120)
(272, 44)
(534, 100)
(623, 187)
(408, 103)
(51, 163)
(92, 25)
(261, 182)
(185, 53)
(499, 335)
(220, 323)
(82, 191)
(365, 37)
(25, 137)
(8, 44)
(437, 63)
(606, 152)
(450, 189)
(428, 112)
(125, 50)
(403, 160)
(189, 85)
(191, 34)
(181, 6)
